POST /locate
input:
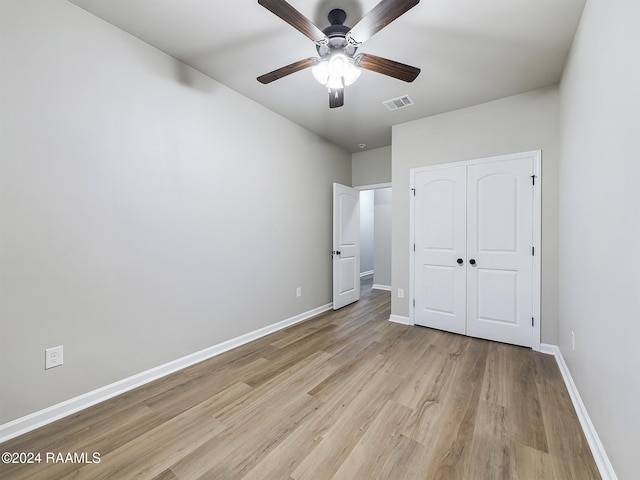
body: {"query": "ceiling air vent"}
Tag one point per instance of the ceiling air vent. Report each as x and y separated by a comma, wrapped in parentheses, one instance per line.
(397, 103)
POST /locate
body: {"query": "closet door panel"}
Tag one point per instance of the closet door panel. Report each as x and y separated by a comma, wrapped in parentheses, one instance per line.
(499, 249)
(440, 240)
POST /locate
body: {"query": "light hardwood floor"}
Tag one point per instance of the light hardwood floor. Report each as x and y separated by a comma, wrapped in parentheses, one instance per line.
(345, 395)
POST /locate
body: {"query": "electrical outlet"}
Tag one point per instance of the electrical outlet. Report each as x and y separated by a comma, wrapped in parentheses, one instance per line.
(299, 292)
(53, 357)
(401, 293)
(573, 341)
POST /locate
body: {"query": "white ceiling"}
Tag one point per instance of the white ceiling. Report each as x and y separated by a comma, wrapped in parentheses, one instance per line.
(470, 52)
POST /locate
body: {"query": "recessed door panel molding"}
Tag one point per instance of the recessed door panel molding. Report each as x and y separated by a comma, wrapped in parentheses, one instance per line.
(497, 220)
(348, 234)
(439, 291)
(346, 245)
(476, 229)
(347, 279)
(497, 283)
(439, 203)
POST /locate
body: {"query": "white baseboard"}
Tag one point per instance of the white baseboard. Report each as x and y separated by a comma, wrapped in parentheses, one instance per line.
(400, 319)
(597, 449)
(549, 349)
(48, 415)
(364, 274)
(381, 287)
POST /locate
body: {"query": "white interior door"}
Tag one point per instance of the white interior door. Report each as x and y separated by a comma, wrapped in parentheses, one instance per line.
(499, 250)
(440, 246)
(346, 245)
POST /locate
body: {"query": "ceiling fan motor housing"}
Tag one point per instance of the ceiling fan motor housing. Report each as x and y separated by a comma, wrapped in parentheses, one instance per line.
(337, 16)
(336, 33)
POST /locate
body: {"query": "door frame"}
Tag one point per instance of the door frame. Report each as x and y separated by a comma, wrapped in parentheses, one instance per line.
(377, 186)
(536, 155)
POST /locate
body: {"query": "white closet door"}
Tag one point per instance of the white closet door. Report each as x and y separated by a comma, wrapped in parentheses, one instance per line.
(439, 210)
(499, 251)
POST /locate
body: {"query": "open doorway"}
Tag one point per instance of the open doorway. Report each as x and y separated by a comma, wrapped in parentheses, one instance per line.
(375, 235)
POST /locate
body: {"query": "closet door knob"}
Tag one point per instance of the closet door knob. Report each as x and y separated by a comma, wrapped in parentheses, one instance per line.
(460, 261)
(472, 261)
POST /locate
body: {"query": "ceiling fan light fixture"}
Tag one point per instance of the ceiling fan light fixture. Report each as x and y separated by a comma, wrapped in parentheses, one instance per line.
(336, 71)
(338, 65)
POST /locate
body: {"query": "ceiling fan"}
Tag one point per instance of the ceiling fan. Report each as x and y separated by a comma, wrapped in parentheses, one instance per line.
(338, 64)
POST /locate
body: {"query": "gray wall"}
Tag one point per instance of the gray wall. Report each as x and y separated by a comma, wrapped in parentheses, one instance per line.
(515, 124)
(371, 167)
(600, 224)
(382, 236)
(146, 211)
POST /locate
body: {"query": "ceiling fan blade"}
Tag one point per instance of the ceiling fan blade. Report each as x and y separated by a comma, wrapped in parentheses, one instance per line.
(336, 97)
(294, 18)
(387, 67)
(286, 70)
(379, 17)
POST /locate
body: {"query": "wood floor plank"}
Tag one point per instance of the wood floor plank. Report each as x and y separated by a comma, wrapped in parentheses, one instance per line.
(439, 414)
(373, 449)
(508, 383)
(357, 368)
(422, 384)
(346, 351)
(176, 399)
(235, 452)
(450, 453)
(490, 453)
(257, 422)
(402, 359)
(405, 460)
(569, 449)
(285, 457)
(495, 389)
(300, 331)
(147, 456)
(279, 391)
(525, 420)
(346, 429)
(532, 464)
(345, 395)
(166, 475)
(284, 358)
